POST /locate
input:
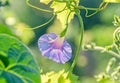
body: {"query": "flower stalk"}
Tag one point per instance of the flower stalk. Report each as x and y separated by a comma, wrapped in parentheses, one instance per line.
(80, 43)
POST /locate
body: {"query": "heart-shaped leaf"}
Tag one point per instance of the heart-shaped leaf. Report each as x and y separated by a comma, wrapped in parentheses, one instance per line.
(114, 1)
(17, 64)
(6, 30)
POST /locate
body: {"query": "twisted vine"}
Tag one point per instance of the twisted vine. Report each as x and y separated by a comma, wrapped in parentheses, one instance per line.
(73, 7)
(116, 37)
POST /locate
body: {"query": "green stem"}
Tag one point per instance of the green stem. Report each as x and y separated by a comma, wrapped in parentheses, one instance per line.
(80, 43)
(118, 50)
(63, 33)
(42, 24)
(83, 7)
(44, 10)
(101, 7)
(102, 49)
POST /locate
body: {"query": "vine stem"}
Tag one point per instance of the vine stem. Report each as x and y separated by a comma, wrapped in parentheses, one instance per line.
(101, 7)
(63, 33)
(118, 50)
(102, 49)
(80, 43)
(39, 26)
(44, 10)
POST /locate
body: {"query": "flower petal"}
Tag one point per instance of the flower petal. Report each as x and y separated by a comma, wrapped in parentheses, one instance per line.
(46, 44)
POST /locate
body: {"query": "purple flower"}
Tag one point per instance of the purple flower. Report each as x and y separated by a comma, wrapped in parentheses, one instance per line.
(55, 48)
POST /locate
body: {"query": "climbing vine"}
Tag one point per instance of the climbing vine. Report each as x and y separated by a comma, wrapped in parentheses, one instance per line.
(55, 46)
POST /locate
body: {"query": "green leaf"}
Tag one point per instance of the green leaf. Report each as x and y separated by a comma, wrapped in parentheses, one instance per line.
(115, 1)
(62, 16)
(59, 77)
(5, 29)
(17, 64)
(45, 1)
(63, 9)
(74, 78)
(55, 77)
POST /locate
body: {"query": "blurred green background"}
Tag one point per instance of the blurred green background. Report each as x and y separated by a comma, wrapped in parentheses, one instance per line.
(17, 16)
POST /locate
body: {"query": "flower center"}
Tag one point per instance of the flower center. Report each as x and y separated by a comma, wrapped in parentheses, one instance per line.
(58, 43)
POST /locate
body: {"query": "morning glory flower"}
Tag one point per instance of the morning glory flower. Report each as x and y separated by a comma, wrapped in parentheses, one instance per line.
(55, 48)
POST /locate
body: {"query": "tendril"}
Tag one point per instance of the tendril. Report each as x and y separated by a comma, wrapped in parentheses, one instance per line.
(89, 15)
(44, 10)
(42, 24)
(102, 49)
(116, 37)
(116, 21)
(101, 7)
